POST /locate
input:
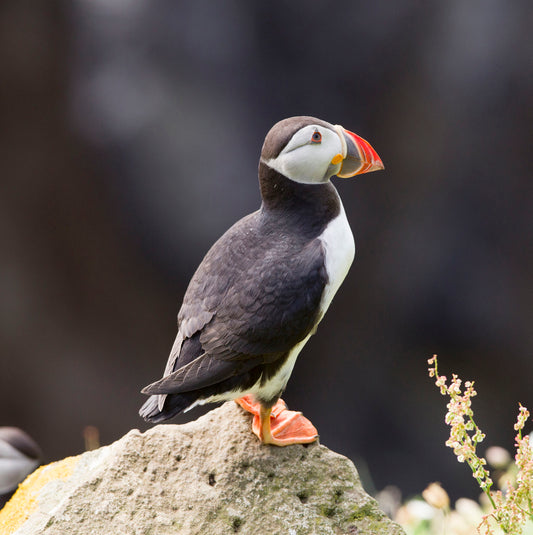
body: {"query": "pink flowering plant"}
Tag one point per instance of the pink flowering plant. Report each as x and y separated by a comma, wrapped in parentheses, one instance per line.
(511, 507)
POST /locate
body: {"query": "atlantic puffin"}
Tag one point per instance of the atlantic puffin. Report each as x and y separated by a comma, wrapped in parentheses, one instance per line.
(262, 289)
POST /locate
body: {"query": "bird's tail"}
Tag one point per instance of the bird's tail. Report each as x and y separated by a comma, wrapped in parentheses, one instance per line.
(174, 404)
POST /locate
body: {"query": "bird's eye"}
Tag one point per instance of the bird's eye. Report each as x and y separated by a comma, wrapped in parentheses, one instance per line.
(316, 137)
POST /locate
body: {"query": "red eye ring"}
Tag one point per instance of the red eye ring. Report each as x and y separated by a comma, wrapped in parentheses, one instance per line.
(316, 137)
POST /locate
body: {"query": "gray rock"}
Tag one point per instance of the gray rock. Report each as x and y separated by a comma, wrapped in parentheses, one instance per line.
(210, 476)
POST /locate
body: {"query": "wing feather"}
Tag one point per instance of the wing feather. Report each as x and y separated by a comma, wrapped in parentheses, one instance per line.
(201, 372)
(249, 302)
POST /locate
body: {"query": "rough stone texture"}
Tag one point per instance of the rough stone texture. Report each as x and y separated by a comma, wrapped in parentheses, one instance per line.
(211, 476)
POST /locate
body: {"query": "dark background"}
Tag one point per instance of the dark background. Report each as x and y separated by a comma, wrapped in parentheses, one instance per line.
(130, 134)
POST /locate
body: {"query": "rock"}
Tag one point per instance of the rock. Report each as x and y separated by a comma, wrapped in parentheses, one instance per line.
(210, 476)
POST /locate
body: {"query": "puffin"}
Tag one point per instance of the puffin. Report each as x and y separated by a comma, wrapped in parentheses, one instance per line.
(19, 456)
(264, 286)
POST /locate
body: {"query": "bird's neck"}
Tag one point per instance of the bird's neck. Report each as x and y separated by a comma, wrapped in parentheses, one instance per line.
(318, 202)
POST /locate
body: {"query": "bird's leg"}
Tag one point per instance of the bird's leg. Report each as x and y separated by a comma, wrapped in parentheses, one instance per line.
(277, 425)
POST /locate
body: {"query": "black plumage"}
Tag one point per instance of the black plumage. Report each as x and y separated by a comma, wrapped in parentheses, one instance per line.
(255, 295)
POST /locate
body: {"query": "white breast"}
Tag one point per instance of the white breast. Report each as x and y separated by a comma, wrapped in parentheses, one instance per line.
(339, 248)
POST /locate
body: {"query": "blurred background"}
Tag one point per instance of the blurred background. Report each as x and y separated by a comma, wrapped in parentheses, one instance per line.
(130, 133)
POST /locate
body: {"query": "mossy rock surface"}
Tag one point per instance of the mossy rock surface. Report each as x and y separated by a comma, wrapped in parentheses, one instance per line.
(208, 476)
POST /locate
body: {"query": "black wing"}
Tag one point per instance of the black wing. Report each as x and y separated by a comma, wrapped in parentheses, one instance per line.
(255, 295)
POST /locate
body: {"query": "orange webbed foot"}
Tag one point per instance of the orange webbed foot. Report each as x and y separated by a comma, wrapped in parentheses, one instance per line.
(278, 425)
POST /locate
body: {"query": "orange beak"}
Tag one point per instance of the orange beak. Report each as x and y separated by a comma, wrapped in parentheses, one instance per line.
(360, 156)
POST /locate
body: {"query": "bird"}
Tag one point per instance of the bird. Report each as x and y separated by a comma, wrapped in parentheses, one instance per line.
(261, 290)
(19, 456)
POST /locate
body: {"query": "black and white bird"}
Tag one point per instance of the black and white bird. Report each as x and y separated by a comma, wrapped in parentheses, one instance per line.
(263, 287)
(19, 456)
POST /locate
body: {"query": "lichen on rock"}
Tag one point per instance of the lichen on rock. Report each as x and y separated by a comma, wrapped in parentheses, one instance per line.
(208, 476)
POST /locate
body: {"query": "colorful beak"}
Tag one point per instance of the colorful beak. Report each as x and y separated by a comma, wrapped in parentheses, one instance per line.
(359, 156)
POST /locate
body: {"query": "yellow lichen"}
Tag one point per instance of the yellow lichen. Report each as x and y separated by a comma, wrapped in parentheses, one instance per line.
(25, 500)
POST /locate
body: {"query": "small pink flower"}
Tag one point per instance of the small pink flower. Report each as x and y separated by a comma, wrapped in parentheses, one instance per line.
(512, 509)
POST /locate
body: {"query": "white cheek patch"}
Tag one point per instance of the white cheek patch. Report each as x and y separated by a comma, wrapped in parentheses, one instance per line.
(307, 163)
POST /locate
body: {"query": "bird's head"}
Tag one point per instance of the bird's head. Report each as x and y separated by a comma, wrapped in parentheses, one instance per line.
(311, 151)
